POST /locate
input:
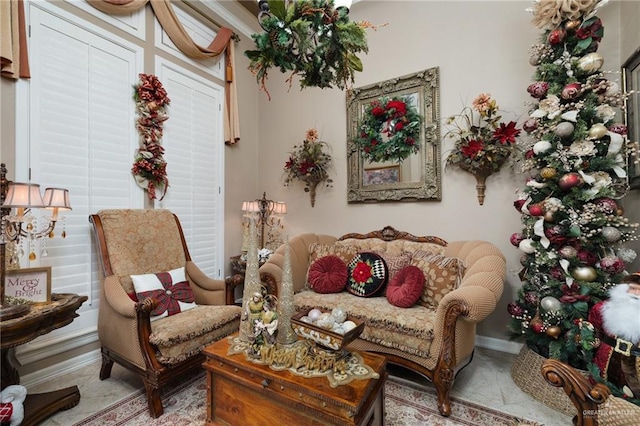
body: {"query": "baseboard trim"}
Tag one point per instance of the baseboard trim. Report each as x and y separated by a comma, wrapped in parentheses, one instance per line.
(498, 344)
(54, 371)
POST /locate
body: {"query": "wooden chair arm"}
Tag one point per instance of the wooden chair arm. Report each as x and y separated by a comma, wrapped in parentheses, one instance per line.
(583, 394)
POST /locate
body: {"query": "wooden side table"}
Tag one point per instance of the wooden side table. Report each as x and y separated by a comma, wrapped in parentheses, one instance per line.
(40, 320)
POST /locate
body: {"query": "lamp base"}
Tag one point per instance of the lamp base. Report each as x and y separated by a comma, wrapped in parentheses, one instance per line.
(8, 312)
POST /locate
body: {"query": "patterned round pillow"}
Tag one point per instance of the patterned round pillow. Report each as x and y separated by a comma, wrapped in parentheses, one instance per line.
(368, 274)
(405, 288)
(327, 274)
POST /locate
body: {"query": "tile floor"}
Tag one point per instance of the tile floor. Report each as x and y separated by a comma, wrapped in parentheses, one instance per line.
(486, 381)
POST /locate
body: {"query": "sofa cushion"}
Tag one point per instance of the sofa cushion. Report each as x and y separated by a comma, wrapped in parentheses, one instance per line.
(406, 287)
(327, 274)
(171, 289)
(368, 274)
(343, 251)
(395, 262)
(409, 330)
(392, 248)
(181, 336)
(442, 275)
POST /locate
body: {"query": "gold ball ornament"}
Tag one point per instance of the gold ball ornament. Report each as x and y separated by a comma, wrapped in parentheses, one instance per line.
(572, 25)
(591, 62)
(620, 211)
(549, 216)
(598, 131)
(548, 172)
(553, 331)
(584, 273)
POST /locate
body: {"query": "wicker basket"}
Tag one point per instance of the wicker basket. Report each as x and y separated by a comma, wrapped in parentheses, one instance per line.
(526, 373)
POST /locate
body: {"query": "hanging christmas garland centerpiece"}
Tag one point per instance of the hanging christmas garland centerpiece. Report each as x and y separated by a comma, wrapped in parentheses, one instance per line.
(389, 130)
(149, 168)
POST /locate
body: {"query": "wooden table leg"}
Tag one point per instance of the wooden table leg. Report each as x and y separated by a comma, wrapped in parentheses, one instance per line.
(39, 406)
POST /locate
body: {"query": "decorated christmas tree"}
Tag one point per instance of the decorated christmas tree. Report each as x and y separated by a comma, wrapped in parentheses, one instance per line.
(574, 228)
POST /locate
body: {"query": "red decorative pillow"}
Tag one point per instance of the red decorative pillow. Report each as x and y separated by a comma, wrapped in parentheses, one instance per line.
(327, 274)
(405, 288)
(368, 274)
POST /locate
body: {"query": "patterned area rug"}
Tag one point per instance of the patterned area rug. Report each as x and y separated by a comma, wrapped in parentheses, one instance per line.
(406, 404)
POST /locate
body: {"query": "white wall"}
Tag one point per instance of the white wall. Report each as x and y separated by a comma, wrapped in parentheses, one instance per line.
(479, 47)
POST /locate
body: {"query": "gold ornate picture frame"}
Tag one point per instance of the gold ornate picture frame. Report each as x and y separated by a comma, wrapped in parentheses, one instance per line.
(420, 175)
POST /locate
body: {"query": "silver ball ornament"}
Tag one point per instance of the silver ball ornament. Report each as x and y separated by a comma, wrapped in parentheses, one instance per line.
(564, 129)
(611, 234)
(550, 304)
(568, 252)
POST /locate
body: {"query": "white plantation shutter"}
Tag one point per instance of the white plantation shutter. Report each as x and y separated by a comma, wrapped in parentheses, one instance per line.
(194, 150)
(81, 138)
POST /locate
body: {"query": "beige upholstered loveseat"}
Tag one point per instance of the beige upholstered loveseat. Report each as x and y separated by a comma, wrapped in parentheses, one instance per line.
(433, 342)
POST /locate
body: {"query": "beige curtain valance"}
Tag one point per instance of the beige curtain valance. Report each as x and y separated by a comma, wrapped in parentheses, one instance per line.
(176, 32)
(14, 58)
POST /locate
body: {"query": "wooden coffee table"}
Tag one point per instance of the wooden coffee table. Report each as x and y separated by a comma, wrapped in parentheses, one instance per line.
(240, 392)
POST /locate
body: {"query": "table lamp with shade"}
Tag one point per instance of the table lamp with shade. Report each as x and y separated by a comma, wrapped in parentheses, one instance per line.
(24, 197)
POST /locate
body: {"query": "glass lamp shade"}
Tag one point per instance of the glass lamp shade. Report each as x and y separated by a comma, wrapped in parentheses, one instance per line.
(57, 198)
(280, 208)
(23, 195)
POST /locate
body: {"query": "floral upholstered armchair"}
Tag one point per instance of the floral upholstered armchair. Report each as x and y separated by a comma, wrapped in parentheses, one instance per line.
(157, 310)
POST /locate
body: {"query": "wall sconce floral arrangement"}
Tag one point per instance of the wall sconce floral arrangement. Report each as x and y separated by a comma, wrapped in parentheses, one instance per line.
(310, 164)
(482, 143)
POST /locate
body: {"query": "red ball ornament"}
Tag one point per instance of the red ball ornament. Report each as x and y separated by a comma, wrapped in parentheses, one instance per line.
(611, 264)
(557, 36)
(618, 128)
(536, 210)
(571, 91)
(607, 205)
(570, 180)
(516, 238)
(538, 89)
(537, 327)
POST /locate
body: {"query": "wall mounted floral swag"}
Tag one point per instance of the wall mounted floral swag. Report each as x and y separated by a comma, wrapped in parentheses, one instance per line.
(389, 130)
(310, 164)
(149, 168)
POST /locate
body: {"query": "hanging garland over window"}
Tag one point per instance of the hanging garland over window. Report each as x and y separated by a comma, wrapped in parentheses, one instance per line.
(149, 168)
(389, 130)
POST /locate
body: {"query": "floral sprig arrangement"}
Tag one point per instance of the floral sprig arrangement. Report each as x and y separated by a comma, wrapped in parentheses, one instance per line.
(482, 142)
(309, 163)
(149, 167)
(309, 38)
(389, 130)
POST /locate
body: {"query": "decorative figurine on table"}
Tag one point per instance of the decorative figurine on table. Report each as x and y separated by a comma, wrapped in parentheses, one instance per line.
(261, 311)
(617, 320)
